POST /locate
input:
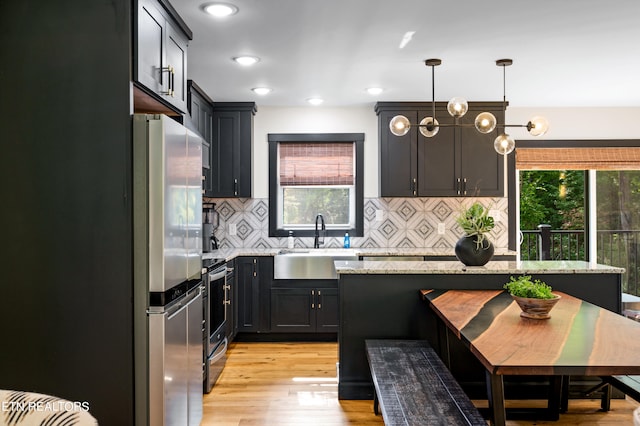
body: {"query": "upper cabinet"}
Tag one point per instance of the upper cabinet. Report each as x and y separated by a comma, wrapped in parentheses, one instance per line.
(231, 149)
(458, 161)
(201, 120)
(160, 52)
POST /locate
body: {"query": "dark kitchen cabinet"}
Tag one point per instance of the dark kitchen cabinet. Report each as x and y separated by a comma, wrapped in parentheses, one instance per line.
(309, 306)
(231, 149)
(201, 116)
(398, 156)
(160, 52)
(458, 161)
(253, 279)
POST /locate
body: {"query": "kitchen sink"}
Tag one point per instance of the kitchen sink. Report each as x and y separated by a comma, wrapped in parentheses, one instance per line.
(309, 264)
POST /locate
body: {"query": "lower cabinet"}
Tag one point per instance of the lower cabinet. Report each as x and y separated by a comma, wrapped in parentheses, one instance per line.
(265, 305)
(253, 278)
(308, 306)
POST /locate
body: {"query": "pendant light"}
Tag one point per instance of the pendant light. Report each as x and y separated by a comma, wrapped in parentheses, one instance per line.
(429, 126)
(537, 126)
(457, 107)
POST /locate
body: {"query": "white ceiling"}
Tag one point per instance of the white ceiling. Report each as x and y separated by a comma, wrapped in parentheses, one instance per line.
(565, 52)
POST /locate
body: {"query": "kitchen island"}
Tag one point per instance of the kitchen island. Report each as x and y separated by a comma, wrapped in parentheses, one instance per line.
(380, 300)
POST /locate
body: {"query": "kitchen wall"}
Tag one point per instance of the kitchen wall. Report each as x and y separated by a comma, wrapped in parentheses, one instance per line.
(407, 222)
(580, 122)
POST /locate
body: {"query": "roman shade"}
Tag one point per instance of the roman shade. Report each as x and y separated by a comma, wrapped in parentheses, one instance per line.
(579, 158)
(319, 164)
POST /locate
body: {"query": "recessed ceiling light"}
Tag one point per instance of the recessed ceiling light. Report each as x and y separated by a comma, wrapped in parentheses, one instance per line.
(220, 10)
(374, 90)
(246, 60)
(315, 101)
(261, 90)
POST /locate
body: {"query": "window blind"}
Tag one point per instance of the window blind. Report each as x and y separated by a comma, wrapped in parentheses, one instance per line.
(614, 158)
(309, 163)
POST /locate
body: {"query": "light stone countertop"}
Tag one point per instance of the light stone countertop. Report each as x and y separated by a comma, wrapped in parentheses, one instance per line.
(456, 267)
(231, 253)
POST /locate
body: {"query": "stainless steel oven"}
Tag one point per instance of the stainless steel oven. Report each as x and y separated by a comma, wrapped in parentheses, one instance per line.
(216, 307)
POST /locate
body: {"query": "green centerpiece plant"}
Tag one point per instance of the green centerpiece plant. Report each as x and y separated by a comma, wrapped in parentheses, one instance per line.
(474, 248)
(532, 295)
(524, 286)
(476, 222)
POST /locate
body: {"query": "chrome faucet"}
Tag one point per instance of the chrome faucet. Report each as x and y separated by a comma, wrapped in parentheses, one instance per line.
(317, 241)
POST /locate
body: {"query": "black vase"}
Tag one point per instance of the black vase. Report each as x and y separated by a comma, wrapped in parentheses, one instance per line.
(468, 252)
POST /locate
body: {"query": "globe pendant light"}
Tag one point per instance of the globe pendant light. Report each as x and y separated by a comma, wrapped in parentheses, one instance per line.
(537, 126)
(429, 127)
(457, 107)
(399, 125)
(504, 144)
(485, 122)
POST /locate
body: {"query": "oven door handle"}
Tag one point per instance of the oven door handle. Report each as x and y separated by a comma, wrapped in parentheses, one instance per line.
(217, 274)
(220, 351)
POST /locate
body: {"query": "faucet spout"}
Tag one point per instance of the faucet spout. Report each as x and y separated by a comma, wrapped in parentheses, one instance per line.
(319, 233)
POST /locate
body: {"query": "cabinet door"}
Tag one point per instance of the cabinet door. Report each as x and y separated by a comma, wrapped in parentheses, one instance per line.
(248, 294)
(253, 278)
(226, 154)
(206, 169)
(293, 310)
(176, 54)
(231, 149)
(205, 121)
(327, 310)
(150, 41)
(242, 159)
(161, 55)
(438, 159)
(398, 164)
(201, 115)
(482, 168)
(195, 108)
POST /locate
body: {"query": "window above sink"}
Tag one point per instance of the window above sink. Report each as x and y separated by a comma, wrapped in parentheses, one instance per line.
(311, 174)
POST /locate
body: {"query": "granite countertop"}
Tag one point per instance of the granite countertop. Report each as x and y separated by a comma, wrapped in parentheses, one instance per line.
(231, 253)
(456, 267)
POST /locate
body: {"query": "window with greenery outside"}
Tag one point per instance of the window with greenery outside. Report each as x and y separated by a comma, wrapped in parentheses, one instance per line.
(311, 174)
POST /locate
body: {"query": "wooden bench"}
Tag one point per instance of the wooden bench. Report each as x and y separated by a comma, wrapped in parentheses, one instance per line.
(414, 387)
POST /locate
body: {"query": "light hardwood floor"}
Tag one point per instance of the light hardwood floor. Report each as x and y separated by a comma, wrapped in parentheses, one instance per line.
(296, 384)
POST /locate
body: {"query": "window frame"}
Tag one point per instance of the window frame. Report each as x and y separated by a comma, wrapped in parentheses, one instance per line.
(274, 194)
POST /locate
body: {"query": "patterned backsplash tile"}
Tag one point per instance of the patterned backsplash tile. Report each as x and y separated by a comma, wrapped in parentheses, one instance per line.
(405, 222)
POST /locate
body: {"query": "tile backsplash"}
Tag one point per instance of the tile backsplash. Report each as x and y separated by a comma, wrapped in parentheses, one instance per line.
(403, 222)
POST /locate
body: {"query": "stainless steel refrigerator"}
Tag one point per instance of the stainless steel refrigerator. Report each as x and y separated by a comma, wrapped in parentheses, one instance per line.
(167, 200)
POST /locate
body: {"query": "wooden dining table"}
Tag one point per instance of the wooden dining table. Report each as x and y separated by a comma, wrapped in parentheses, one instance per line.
(580, 338)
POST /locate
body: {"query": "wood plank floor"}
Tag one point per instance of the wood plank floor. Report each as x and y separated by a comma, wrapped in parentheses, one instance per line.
(296, 384)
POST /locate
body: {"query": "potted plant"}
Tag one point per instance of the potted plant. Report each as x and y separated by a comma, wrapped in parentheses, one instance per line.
(533, 296)
(474, 248)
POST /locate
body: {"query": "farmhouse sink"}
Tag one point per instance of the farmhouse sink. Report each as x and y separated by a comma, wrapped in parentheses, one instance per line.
(309, 264)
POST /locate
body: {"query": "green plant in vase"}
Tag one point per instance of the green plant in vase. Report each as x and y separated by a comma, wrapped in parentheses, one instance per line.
(524, 286)
(532, 295)
(474, 248)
